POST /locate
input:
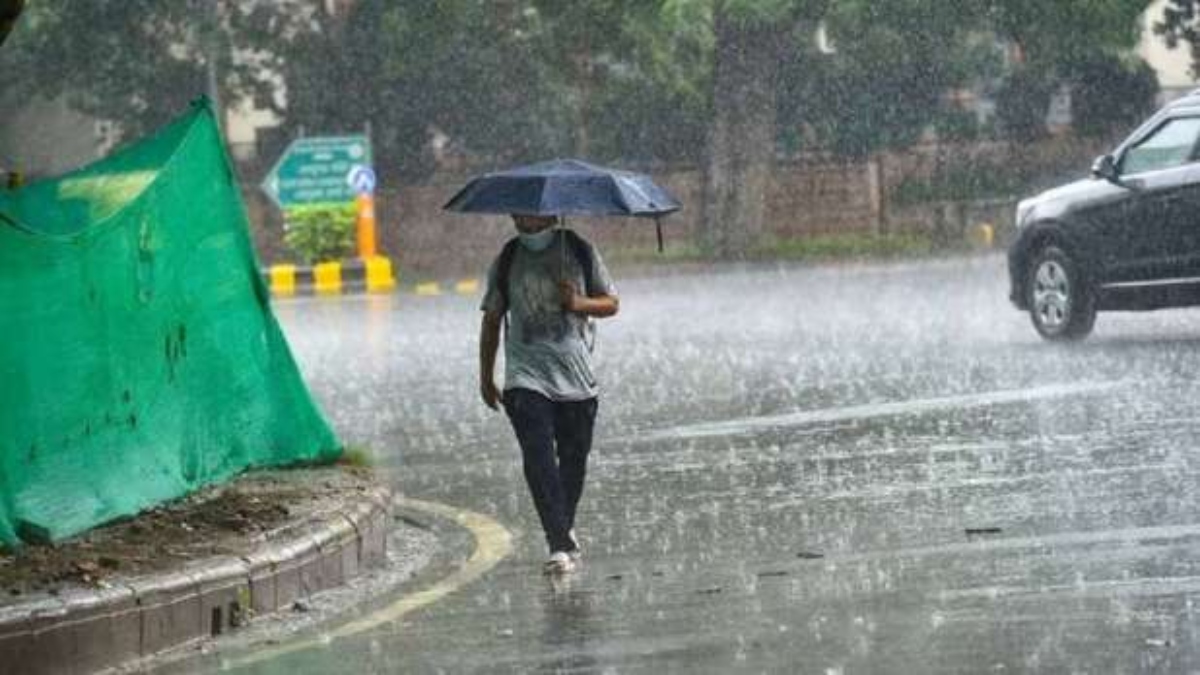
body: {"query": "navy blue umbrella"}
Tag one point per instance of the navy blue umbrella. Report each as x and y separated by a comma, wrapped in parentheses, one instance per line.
(565, 187)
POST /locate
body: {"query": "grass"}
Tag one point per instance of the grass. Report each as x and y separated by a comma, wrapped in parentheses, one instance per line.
(357, 456)
(849, 246)
(818, 247)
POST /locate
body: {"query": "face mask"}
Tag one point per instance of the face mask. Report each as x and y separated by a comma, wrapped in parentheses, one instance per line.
(537, 241)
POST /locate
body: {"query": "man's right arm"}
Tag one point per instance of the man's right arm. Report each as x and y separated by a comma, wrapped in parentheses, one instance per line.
(489, 344)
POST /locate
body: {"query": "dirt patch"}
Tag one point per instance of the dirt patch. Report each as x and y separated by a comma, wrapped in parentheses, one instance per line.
(229, 519)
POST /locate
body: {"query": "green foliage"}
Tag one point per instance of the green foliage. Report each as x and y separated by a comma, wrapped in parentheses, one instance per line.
(524, 79)
(654, 101)
(357, 456)
(1110, 95)
(885, 81)
(462, 68)
(957, 125)
(963, 181)
(770, 12)
(320, 232)
(1022, 104)
(507, 82)
(847, 246)
(135, 62)
(893, 63)
(1055, 33)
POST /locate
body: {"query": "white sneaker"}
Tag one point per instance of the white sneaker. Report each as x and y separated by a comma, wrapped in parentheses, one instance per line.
(576, 552)
(560, 562)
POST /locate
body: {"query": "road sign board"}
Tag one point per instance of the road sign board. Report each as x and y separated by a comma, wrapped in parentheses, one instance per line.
(317, 169)
(362, 180)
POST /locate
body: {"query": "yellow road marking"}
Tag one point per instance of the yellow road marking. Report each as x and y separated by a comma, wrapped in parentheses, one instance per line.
(493, 543)
(467, 287)
(429, 289)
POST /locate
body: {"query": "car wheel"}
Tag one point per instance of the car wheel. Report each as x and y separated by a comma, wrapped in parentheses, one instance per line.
(1061, 302)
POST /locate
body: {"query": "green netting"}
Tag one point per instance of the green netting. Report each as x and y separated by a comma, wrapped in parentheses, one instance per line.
(139, 359)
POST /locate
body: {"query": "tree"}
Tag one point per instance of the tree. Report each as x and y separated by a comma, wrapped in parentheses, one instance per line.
(1110, 94)
(650, 97)
(884, 84)
(1050, 40)
(1053, 34)
(885, 81)
(584, 44)
(504, 81)
(753, 39)
(137, 63)
(466, 68)
(1022, 102)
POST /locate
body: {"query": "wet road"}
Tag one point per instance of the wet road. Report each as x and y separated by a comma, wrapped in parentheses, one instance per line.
(798, 469)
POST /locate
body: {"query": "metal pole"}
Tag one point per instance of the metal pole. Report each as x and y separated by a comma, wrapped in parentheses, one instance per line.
(367, 226)
(212, 45)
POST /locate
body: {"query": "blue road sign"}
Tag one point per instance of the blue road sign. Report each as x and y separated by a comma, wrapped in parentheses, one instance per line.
(362, 180)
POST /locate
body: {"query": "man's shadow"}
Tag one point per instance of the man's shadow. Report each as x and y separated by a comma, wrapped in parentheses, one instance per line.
(568, 625)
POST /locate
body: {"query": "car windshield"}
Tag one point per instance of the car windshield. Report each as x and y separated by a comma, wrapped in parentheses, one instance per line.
(1172, 145)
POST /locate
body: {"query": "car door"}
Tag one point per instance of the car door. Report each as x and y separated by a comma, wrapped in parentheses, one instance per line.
(1160, 219)
(1182, 224)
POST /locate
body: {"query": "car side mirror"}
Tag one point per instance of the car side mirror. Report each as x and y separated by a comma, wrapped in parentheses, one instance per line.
(1105, 167)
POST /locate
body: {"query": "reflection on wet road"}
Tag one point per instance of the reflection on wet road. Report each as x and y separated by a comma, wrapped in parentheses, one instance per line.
(832, 470)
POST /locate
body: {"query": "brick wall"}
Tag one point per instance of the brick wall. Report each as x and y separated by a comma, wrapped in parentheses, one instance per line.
(810, 195)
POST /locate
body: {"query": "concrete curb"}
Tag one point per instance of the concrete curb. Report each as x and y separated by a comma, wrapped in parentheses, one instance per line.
(85, 630)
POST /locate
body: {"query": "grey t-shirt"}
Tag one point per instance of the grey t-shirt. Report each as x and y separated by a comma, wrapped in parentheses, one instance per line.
(545, 348)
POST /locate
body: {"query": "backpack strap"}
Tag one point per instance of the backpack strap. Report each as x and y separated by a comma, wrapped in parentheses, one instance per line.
(583, 255)
(503, 267)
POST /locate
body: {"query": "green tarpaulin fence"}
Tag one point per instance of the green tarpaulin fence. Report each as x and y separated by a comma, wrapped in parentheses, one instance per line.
(139, 359)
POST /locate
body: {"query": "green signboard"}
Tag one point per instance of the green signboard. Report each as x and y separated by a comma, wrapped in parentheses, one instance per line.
(318, 169)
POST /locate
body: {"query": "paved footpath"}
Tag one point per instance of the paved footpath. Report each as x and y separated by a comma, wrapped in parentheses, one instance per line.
(336, 529)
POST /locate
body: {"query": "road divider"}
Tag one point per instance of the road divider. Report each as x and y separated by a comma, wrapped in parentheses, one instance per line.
(360, 275)
(327, 278)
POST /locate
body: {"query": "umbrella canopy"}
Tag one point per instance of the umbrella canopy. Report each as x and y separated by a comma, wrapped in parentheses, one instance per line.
(564, 187)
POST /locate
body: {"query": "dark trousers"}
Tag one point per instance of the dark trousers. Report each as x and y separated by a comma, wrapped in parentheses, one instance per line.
(555, 439)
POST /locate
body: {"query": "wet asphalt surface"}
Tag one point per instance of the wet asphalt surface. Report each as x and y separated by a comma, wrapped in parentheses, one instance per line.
(839, 469)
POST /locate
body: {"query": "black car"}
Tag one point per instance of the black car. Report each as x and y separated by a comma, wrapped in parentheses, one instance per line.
(1126, 239)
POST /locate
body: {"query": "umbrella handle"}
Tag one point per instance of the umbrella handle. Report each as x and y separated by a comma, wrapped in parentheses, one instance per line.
(658, 232)
(562, 251)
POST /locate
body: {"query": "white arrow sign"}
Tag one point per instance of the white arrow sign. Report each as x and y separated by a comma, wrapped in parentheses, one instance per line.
(362, 179)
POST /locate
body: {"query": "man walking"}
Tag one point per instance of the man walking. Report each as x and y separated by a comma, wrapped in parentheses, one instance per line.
(545, 288)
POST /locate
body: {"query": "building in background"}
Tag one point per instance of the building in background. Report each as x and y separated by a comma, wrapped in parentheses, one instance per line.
(1174, 66)
(46, 137)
